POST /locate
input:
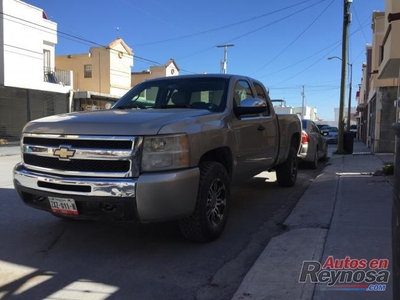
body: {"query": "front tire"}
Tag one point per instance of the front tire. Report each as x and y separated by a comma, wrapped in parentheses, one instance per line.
(286, 173)
(212, 207)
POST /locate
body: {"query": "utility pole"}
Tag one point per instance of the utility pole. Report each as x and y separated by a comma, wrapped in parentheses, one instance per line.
(349, 105)
(346, 22)
(225, 60)
(303, 95)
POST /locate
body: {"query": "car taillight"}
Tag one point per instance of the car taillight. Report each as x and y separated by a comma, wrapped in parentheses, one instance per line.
(304, 137)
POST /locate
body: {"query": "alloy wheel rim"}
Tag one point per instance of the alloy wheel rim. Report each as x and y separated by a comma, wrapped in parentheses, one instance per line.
(216, 202)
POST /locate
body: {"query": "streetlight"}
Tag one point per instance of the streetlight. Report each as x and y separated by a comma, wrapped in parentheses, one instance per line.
(350, 90)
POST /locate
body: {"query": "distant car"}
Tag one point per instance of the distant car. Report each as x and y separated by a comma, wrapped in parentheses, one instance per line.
(313, 145)
(320, 126)
(331, 134)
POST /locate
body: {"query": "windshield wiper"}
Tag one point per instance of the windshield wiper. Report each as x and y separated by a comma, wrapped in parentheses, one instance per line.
(175, 106)
(133, 105)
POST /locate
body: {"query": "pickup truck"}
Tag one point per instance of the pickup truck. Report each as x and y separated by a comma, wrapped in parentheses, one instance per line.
(169, 149)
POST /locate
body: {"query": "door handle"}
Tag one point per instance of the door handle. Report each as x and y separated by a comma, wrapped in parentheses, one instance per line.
(260, 128)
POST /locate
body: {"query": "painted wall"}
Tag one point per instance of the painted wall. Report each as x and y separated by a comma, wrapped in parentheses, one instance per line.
(379, 31)
(26, 34)
(111, 69)
(390, 65)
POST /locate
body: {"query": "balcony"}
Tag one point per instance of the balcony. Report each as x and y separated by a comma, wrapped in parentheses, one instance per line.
(390, 50)
(52, 75)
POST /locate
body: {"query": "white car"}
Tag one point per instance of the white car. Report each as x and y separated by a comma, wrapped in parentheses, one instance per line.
(313, 144)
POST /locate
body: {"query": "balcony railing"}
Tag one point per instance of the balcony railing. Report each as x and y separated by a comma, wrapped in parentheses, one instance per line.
(56, 76)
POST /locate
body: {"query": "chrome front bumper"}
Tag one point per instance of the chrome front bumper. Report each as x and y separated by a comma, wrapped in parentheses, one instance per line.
(98, 187)
(156, 196)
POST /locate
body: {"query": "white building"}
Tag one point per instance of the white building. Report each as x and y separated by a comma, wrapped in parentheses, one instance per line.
(353, 115)
(27, 48)
(30, 86)
(309, 112)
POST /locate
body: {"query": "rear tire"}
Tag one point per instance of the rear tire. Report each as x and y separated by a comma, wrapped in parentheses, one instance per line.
(212, 207)
(314, 164)
(325, 157)
(286, 173)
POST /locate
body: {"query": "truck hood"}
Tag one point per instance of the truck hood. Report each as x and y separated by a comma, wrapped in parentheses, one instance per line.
(111, 122)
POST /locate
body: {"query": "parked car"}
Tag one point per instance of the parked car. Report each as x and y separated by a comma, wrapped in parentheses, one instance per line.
(313, 144)
(320, 126)
(169, 149)
(331, 134)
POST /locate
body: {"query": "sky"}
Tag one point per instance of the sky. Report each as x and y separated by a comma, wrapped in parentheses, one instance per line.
(284, 44)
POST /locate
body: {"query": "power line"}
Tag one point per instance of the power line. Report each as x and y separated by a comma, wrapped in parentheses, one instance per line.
(74, 38)
(358, 21)
(273, 23)
(257, 29)
(296, 39)
(221, 27)
(314, 62)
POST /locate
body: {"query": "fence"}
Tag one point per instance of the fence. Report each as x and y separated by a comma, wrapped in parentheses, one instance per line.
(18, 106)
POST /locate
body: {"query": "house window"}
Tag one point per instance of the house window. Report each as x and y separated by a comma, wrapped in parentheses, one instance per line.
(88, 71)
(381, 52)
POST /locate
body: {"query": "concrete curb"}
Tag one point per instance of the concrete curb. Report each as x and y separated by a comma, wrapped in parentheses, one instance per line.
(276, 273)
(340, 214)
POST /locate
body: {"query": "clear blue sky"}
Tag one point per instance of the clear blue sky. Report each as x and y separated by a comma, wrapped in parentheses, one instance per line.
(284, 44)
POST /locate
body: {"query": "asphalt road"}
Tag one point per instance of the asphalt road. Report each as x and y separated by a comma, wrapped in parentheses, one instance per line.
(43, 257)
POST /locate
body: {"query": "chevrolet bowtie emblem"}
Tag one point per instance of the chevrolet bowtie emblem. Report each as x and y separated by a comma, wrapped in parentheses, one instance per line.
(64, 153)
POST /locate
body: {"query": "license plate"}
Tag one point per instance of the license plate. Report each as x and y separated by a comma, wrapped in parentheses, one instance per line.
(63, 206)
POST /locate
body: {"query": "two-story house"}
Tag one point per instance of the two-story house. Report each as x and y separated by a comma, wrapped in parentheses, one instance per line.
(170, 68)
(30, 85)
(101, 76)
(389, 59)
(381, 92)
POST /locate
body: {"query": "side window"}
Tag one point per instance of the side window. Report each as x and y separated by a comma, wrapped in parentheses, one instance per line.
(242, 91)
(261, 94)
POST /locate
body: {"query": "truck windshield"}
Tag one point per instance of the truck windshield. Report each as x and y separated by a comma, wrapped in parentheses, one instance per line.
(192, 93)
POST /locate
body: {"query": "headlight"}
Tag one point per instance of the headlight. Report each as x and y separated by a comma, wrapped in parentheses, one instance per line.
(165, 152)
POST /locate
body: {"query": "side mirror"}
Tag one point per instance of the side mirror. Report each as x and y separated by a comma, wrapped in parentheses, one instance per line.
(251, 106)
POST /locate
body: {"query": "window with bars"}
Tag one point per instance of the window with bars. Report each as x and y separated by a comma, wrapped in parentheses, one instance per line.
(88, 71)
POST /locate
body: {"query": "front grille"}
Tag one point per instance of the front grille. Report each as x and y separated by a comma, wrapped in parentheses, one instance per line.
(82, 165)
(79, 143)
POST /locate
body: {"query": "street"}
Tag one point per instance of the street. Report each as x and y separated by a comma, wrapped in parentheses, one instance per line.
(43, 257)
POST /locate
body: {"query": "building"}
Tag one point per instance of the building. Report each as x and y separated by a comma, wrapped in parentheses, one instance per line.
(170, 68)
(101, 76)
(309, 112)
(353, 113)
(378, 90)
(362, 97)
(389, 59)
(30, 85)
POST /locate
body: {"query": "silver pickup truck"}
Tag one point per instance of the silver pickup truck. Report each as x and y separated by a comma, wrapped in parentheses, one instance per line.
(169, 149)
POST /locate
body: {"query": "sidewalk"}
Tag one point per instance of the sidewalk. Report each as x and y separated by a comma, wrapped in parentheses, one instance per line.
(6, 150)
(346, 211)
